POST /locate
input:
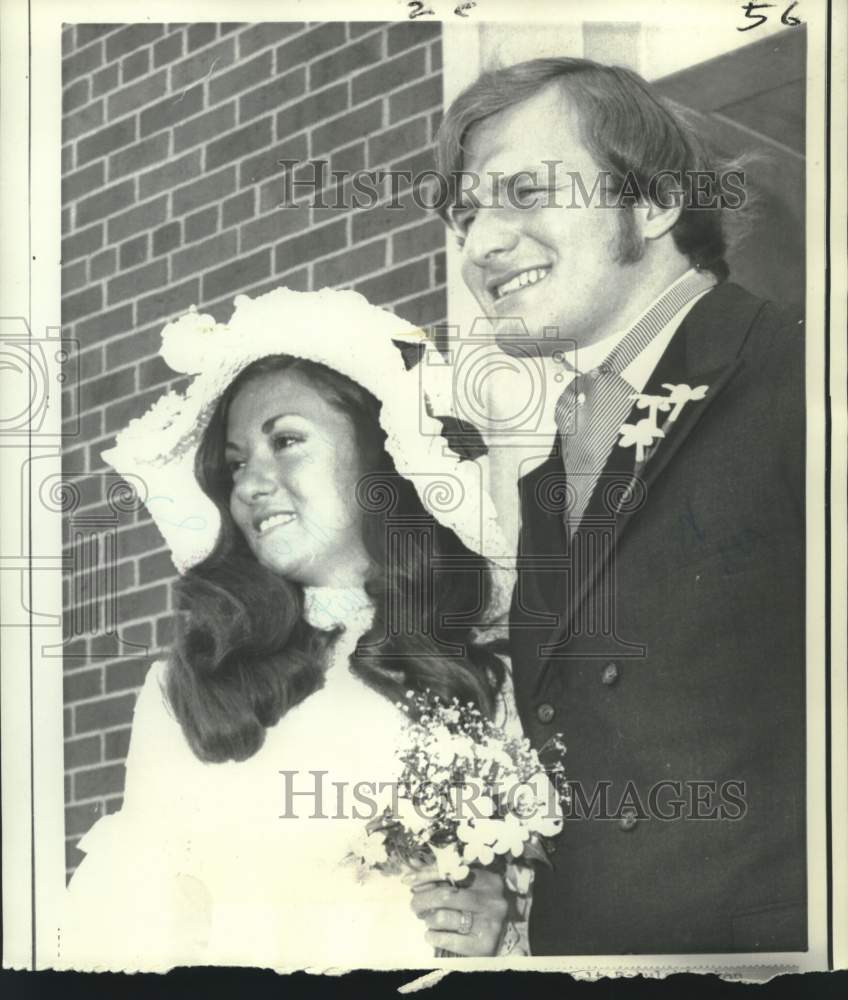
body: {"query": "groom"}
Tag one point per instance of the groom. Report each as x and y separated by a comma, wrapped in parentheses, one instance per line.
(658, 620)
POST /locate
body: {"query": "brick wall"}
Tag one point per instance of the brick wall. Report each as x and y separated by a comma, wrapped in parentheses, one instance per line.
(170, 195)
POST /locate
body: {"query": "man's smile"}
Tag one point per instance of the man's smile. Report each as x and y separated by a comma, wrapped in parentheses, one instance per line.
(501, 288)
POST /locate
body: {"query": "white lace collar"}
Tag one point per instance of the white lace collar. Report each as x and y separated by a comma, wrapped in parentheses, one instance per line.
(327, 608)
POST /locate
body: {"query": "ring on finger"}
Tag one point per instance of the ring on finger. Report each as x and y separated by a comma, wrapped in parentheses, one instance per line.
(466, 922)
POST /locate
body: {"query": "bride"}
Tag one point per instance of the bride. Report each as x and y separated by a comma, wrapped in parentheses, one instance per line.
(330, 550)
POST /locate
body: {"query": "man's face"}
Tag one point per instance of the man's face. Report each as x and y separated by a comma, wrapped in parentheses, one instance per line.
(550, 266)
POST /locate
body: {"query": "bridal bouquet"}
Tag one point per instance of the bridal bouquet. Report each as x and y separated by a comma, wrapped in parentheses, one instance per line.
(468, 794)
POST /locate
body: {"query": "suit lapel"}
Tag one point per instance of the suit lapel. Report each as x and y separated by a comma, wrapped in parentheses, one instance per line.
(704, 351)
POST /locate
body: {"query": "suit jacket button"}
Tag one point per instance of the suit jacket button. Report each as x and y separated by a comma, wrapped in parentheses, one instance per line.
(610, 673)
(545, 712)
(628, 820)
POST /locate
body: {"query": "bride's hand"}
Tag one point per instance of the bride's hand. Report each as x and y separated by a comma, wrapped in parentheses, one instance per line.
(465, 921)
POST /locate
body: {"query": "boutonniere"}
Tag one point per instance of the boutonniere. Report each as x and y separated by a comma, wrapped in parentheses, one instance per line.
(644, 432)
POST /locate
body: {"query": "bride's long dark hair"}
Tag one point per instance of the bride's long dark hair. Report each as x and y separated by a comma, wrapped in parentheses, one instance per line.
(244, 653)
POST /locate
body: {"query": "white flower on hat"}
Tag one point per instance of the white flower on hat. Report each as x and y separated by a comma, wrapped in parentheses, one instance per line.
(187, 342)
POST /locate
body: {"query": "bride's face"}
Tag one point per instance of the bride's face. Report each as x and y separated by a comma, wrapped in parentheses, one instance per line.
(294, 463)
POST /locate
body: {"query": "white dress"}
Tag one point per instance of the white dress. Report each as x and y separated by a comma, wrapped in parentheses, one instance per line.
(201, 867)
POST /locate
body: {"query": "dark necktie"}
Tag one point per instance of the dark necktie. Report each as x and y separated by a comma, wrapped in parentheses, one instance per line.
(592, 408)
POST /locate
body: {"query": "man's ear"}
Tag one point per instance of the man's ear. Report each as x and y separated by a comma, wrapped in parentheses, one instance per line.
(654, 220)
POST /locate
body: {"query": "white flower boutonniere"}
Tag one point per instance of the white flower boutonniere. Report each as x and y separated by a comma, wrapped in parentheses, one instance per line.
(643, 433)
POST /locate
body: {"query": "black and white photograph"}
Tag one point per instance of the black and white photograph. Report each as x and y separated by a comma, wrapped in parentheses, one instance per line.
(423, 484)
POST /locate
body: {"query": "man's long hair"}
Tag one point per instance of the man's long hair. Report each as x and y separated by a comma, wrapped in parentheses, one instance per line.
(244, 654)
(630, 131)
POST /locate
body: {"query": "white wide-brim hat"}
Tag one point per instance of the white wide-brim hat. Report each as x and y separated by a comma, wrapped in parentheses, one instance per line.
(342, 330)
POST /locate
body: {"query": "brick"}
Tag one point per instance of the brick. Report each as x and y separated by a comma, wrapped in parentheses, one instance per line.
(395, 284)
(145, 216)
(202, 64)
(138, 281)
(271, 161)
(170, 174)
(357, 28)
(133, 251)
(106, 202)
(104, 714)
(105, 780)
(137, 94)
(87, 33)
(213, 187)
(106, 140)
(73, 276)
(91, 363)
(105, 325)
(172, 110)
(138, 156)
(273, 226)
(205, 127)
(84, 61)
(114, 804)
(104, 264)
(80, 819)
(81, 684)
(313, 109)
(376, 221)
(131, 38)
(104, 80)
(419, 97)
(204, 255)
(237, 144)
(81, 121)
(346, 267)
(436, 56)
(67, 164)
(244, 75)
(135, 65)
(226, 27)
(424, 310)
(164, 632)
(155, 567)
(350, 159)
(409, 135)
(201, 224)
(346, 60)
(116, 744)
(236, 275)
(68, 722)
(167, 302)
(346, 128)
(129, 673)
(81, 182)
(167, 49)
(317, 243)
(153, 372)
(199, 35)
(258, 36)
(166, 238)
(238, 208)
(310, 44)
(405, 34)
(272, 94)
(81, 304)
(75, 95)
(418, 240)
(143, 603)
(80, 752)
(389, 75)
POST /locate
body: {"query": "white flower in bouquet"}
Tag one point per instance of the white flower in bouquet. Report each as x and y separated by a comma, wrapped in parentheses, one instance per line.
(449, 863)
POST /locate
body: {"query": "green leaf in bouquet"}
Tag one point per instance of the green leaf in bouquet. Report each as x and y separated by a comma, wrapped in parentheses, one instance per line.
(534, 850)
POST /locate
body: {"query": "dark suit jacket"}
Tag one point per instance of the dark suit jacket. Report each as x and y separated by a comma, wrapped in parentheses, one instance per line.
(666, 644)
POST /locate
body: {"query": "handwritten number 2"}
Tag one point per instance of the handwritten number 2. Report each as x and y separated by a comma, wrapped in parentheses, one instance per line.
(417, 9)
